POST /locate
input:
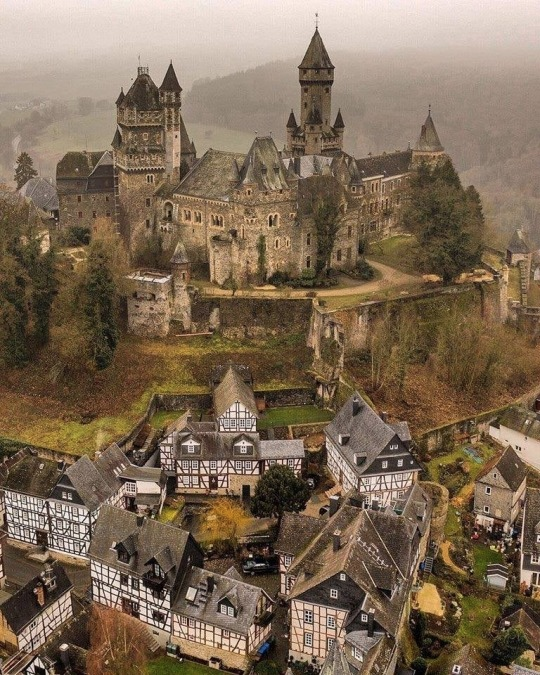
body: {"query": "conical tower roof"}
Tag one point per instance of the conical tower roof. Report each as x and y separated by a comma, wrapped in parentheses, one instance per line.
(429, 139)
(316, 55)
(338, 124)
(121, 97)
(143, 93)
(170, 81)
(291, 123)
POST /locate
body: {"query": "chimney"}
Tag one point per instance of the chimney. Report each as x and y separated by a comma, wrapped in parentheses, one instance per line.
(48, 577)
(334, 505)
(140, 521)
(370, 622)
(384, 417)
(210, 583)
(336, 541)
(39, 592)
(355, 405)
(64, 656)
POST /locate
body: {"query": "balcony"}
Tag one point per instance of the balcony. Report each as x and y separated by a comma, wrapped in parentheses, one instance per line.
(153, 582)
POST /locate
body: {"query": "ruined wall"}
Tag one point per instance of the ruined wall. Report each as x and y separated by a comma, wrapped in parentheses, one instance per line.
(82, 210)
(149, 304)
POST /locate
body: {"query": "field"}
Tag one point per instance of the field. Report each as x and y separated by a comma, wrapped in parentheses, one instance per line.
(85, 410)
(397, 252)
(165, 665)
(282, 417)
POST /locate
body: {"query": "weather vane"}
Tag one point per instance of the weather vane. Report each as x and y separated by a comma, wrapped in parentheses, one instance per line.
(316, 19)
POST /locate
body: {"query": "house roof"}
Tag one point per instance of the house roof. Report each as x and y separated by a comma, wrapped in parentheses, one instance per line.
(78, 164)
(232, 388)
(147, 538)
(512, 470)
(391, 164)
(143, 94)
(339, 124)
(316, 55)
(531, 521)
(429, 139)
(170, 81)
(263, 166)
(31, 475)
(211, 588)
(522, 420)
(296, 531)
(470, 660)
(367, 436)
(42, 193)
(22, 608)
(529, 622)
(518, 243)
(335, 662)
(148, 474)
(292, 449)
(88, 482)
(496, 569)
(216, 444)
(213, 176)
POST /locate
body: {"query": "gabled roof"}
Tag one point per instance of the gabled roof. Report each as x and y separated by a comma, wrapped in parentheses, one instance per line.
(232, 388)
(88, 483)
(42, 193)
(531, 521)
(316, 55)
(78, 164)
(296, 532)
(470, 660)
(31, 475)
(170, 81)
(263, 166)
(521, 420)
(282, 449)
(335, 662)
(390, 164)
(428, 140)
(213, 176)
(518, 243)
(22, 608)
(211, 588)
(510, 467)
(143, 94)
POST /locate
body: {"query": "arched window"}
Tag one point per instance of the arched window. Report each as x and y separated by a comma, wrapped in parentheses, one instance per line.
(276, 243)
(273, 220)
(187, 215)
(308, 239)
(167, 211)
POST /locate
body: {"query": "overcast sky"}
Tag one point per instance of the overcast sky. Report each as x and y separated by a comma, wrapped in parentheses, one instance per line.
(227, 34)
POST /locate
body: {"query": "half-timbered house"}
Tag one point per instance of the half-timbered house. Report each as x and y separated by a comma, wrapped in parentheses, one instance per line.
(221, 617)
(352, 583)
(235, 408)
(530, 542)
(367, 454)
(31, 615)
(137, 566)
(296, 532)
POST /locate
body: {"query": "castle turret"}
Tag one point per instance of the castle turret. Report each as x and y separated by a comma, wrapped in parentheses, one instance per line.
(428, 147)
(169, 96)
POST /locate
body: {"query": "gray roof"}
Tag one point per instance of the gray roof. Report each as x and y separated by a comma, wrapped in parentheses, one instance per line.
(22, 607)
(88, 482)
(366, 436)
(522, 420)
(147, 538)
(143, 94)
(496, 569)
(78, 164)
(232, 388)
(296, 531)
(217, 445)
(180, 256)
(42, 193)
(282, 449)
(204, 606)
(429, 139)
(170, 81)
(316, 55)
(391, 164)
(512, 470)
(470, 660)
(531, 521)
(30, 475)
(335, 662)
(416, 506)
(148, 474)
(263, 166)
(213, 176)
(518, 243)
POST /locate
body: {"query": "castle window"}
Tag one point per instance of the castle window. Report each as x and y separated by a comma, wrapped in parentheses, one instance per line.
(80, 214)
(148, 223)
(79, 198)
(305, 104)
(398, 199)
(308, 262)
(145, 137)
(349, 231)
(248, 192)
(308, 239)
(197, 215)
(273, 220)
(108, 214)
(329, 71)
(327, 90)
(287, 242)
(372, 187)
(338, 255)
(276, 243)
(349, 253)
(187, 215)
(353, 189)
(94, 214)
(149, 177)
(148, 201)
(383, 188)
(306, 90)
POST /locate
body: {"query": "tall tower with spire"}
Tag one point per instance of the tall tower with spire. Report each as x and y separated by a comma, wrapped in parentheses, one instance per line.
(169, 97)
(315, 134)
(428, 148)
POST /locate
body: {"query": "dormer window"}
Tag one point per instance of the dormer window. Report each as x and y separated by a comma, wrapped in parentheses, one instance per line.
(227, 609)
(364, 618)
(157, 571)
(123, 556)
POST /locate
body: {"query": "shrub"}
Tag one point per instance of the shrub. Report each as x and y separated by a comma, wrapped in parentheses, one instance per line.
(419, 665)
(279, 278)
(363, 270)
(75, 236)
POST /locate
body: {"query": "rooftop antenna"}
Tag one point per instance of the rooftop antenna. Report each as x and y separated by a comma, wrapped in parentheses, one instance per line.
(316, 20)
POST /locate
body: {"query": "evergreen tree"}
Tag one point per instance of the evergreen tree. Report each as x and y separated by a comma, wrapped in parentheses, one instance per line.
(447, 220)
(508, 646)
(13, 313)
(100, 306)
(44, 289)
(24, 169)
(279, 490)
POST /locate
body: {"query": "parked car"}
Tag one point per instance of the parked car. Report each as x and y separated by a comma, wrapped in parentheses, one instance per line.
(260, 565)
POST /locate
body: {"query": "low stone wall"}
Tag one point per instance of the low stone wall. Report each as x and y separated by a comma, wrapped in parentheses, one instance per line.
(287, 397)
(440, 498)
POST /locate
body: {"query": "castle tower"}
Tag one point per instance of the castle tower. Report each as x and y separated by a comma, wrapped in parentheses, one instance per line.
(315, 134)
(139, 155)
(169, 96)
(428, 147)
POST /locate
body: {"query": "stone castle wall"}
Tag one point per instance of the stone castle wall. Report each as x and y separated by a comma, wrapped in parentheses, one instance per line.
(84, 209)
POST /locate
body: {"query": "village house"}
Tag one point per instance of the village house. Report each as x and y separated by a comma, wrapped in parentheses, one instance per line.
(352, 582)
(529, 622)
(368, 454)
(499, 491)
(137, 566)
(530, 542)
(519, 428)
(218, 616)
(43, 194)
(225, 456)
(296, 532)
(31, 615)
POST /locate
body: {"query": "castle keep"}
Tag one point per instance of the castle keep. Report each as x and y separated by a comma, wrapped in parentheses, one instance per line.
(247, 216)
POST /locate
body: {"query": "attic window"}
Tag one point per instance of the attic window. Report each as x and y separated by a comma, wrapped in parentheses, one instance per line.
(226, 609)
(538, 538)
(191, 594)
(334, 593)
(494, 475)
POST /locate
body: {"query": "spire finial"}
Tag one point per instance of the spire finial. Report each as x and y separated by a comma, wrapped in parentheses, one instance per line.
(139, 60)
(316, 20)
(429, 109)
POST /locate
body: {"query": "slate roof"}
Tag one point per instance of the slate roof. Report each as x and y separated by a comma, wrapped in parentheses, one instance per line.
(470, 660)
(429, 139)
(31, 475)
(416, 506)
(232, 388)
(335, 662)
(522, 420)
(180, 256)
(296, 531)
(149, 539)
(149, 474)
(212, 176)
(339, 124)
(292, 449)
(531, 521)
(143, 94)
(170, 81)
(263, 166)
(217, 445)
(22, 607)
(368, 436)
(78, 164)
(518, 243)
(309, 165)
(291, 122)
(88, 482)
(512, 470)
(42, 193)
(316, 55)
(217, 373)
(243, 596)
(391, 164)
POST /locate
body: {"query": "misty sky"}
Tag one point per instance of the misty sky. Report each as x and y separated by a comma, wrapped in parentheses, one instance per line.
(232, 33)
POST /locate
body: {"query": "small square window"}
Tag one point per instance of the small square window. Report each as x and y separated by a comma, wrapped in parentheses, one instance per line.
(333, 593)
(486, 509)
(400, 462)
(343, 577)
(331, 621)
(308, 639)
(363, 617)
(385, 465)
(226, 633)
(488, 490)
(124, 579)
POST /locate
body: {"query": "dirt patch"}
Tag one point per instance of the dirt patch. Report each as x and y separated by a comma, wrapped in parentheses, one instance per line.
(429, 601)
(445, 554)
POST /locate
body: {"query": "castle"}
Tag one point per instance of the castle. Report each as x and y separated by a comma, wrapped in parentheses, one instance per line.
(247, 216)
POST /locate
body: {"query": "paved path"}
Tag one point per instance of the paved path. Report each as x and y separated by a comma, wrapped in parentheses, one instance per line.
(445, 552)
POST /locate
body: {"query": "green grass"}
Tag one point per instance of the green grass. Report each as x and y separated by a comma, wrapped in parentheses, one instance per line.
(514, 288)
(458, 453)
(452, 527)
(298, 414)
(164, 417)
(169, 513)
(165, 665)
(397, 252)
(478, 615)
(484, 556)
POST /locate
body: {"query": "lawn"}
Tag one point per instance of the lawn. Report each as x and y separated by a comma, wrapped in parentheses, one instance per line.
(484, 556)
(452, 527)
(169, 513)
(485, 451)
(62, 415)
(297, 414)
(478, 615)
(165, 665)
(397, 252)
